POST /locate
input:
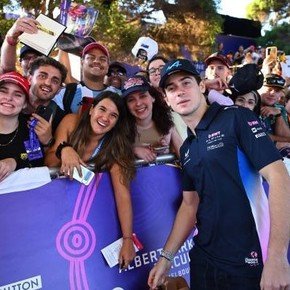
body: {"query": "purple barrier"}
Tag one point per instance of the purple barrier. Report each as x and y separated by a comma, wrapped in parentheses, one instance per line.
(52, 236)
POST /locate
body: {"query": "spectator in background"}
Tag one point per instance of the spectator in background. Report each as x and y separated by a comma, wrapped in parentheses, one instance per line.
(95, 66)
(154, 68)
(19, 147)
(239, 55)
(100, 136)
(217, 76)
(117, 74)
(8, 50)
(287, 104)
(150, 118)
(230, 57)
(274, 115)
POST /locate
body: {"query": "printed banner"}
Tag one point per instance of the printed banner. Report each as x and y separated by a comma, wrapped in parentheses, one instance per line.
(52, 236)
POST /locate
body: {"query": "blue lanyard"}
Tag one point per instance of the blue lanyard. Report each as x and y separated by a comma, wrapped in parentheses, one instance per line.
(33, 139)
(98, 148)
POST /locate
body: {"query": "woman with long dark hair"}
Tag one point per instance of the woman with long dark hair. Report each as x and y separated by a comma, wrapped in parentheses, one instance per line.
(100, 136)
(150, 118)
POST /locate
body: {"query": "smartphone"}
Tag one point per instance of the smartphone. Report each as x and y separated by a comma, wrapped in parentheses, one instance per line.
(87, 175)
(44, 112)
(272, 52)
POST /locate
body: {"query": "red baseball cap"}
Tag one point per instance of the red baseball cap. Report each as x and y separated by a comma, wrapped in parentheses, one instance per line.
(96, 45)
(224, 60)
(16, 78)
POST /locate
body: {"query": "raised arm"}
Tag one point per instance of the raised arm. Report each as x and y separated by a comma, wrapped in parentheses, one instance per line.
(276, 273)
(183, 225)
(8, 50)
(63, 57)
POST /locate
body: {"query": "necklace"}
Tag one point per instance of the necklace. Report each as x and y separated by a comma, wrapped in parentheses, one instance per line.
(11, 140)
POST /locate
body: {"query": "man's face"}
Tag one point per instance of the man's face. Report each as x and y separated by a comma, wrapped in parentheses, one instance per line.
(216, 69)
(45, 83)
(270, 95)
(95, 64)
(116, 77)
(26, 61)
(183, 94)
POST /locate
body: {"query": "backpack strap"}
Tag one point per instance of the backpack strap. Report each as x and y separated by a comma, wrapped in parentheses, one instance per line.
(68, 96)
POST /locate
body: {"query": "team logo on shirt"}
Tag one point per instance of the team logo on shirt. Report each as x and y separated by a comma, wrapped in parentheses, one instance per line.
(252, 260)
(255, 128)
(186, 157)
(215, 140)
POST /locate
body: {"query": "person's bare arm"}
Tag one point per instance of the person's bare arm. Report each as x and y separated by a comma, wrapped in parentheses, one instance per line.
(8, 49)
(63, 57)
(125, 214)
(276, 272)
(184, 223)
(62, 133)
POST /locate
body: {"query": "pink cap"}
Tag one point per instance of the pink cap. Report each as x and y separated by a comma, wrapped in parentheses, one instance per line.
(16, 78)
(97, 46)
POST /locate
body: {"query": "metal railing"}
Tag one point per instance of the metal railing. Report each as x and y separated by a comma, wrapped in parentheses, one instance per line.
(161, 159)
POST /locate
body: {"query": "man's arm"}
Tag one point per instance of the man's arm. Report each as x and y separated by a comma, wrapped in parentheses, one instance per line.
(8, 50)
(184, 223)
(276, 271)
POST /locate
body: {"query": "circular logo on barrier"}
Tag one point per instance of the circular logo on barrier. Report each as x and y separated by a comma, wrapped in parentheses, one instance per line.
(76, 241)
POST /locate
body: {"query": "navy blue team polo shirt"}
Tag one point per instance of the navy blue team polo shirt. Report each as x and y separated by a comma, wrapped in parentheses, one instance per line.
(221, 162)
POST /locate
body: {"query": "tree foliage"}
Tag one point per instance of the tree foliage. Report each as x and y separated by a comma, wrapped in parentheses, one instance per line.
(279, 36)
(121, 22)
(261, 9)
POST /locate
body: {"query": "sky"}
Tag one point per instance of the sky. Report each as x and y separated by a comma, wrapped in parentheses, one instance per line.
(235, 8)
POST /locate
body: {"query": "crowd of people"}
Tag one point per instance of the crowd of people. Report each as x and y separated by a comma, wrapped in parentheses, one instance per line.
(235, 127)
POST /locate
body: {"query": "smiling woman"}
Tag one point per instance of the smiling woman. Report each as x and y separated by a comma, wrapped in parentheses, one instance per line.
(100, 136)
(15, 151)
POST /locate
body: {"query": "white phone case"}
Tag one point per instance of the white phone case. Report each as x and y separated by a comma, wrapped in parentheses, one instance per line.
(87, 177)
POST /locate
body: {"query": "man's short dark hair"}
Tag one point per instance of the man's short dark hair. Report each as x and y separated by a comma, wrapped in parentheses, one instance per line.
(46, 60)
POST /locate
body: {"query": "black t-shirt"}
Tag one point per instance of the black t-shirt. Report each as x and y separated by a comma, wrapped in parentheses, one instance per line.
(12, 146)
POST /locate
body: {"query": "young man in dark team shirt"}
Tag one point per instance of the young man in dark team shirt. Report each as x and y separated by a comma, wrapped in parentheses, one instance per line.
(242, 238)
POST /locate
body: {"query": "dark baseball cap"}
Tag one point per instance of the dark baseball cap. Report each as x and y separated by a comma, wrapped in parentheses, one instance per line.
(27, 49)
(174, 66)
(215, 56)
(273, 80)
(135, 84)
(119, 66)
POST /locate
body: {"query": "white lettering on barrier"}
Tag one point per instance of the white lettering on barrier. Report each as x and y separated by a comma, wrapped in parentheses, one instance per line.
(181, 258)
(32, 283)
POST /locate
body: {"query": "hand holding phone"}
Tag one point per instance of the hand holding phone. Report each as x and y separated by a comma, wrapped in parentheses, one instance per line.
(44, 112)
(86, 177)
(271, 52)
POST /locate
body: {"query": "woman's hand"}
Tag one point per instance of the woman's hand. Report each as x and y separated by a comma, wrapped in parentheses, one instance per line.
(70, 160)
(7, 166)
(145, 152)
(127, 253)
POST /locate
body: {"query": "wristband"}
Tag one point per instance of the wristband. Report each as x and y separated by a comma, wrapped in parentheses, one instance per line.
(60, 147)
(49, 143)
(11, 41)
(167, 255)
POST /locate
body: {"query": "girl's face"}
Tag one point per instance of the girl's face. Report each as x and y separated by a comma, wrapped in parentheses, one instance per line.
(104, 116)
(154, 70)
(140, 105)
(12, 99)
(248, 101)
